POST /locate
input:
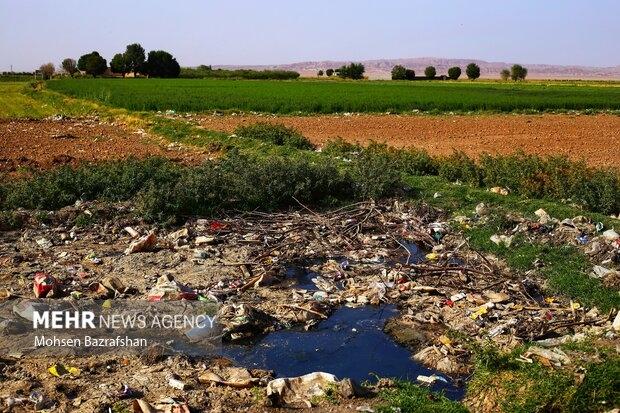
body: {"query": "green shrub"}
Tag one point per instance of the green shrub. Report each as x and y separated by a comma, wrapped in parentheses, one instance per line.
(245, 183)
(274, 133)
(340, 147)
(459, 167)
(113, 181)
(553, 177)
(10, 220)
(376, 173)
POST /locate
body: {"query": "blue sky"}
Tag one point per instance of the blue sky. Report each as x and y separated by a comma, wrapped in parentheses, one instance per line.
(278, 31)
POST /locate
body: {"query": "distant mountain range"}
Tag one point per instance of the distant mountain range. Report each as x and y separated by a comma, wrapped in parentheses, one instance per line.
(381, 68)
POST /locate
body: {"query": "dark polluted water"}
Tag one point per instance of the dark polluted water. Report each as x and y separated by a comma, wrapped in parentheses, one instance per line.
(350, 343)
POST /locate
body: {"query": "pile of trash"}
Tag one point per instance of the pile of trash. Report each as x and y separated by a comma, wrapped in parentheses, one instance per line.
(363, 254)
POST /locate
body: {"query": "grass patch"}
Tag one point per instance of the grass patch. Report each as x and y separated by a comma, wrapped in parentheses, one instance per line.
(272, 96)
(410, 398)
(502, 384)
(565, 267)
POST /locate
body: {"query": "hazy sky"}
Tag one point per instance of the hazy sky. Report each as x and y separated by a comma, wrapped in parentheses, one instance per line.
(279, 31)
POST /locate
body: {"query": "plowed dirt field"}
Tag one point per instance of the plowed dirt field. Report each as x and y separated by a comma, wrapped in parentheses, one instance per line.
(47, 143)
(596, 138)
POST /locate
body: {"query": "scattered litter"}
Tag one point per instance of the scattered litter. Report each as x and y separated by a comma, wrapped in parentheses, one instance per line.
(431, 379)
(45, 285)
(554, 356)
(543, 216)
(611, 235)
(167, 288)
(44, 243)
(499, 190)
(177, 384)
(291, 390)
(236, 377)
(60, 370)
(146, 243)
(502, 240)
(131, 232)
(166, 405)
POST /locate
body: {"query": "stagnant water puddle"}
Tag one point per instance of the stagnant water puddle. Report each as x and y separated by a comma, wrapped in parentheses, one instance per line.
(350, 343)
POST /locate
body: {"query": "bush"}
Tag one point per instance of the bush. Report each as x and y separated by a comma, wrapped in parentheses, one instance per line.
(376, 173)
(340, 147)
(454, 72)
(328, 72)
(274, 133)
(430, 72)
(504, 74)
(472, 71)
(245, 183)
(409, 74)
(113, 181)
(459, 167)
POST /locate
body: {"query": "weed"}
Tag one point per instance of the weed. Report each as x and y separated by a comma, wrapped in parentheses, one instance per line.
(274, 133)
(83, 220)
(532, 388)
(410, 398)
(10, 220)
(376, 173)
(340, 147)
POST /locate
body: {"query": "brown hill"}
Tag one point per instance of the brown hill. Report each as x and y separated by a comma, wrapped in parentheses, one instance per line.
(381, 68)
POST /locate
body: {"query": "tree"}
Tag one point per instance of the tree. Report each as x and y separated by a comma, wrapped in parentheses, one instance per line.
(134, 58)
(430, 72)
(472, 71)
(118, 64)
(351, 71)
(320, 73)
(409, 74)
(399, 72)
(161, 64)
(454, 72)
(47, 70)
(504, 74)
(518, 72)
(92, 63)
(69, 66)
(329, 72)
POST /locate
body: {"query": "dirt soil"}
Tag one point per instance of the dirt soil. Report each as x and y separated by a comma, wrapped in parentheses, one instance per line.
(48, 143)
(593, 137)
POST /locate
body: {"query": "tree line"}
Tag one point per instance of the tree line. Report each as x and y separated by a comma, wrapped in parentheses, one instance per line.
(399, 72)
(158, 63)
(350, 71)
(516, 72)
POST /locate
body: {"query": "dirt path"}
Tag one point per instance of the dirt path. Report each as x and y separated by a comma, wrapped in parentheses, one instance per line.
(47, 143)
(593, 137)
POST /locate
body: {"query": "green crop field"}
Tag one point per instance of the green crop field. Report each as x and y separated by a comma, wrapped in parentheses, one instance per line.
(198, 95)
